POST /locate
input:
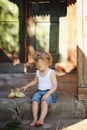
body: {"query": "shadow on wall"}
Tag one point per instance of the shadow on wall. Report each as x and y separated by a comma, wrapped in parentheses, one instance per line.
(4, 58)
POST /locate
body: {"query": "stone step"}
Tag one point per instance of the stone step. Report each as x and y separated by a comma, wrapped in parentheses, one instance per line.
(67, 84)
(11, 68)
(61, 124)
(67, 105)
(12, 109)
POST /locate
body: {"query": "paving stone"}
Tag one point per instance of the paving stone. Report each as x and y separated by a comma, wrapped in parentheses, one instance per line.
(46, 126)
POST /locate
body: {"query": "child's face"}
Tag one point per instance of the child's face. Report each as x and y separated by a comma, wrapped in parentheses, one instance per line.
(42, 65)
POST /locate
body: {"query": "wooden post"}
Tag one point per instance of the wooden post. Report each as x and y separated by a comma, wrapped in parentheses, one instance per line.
(82, 49)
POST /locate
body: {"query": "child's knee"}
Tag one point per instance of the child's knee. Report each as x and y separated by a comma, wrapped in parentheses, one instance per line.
(44, 103)
(34, 103)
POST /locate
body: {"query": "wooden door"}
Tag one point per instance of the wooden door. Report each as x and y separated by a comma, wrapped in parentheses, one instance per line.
(43, 27)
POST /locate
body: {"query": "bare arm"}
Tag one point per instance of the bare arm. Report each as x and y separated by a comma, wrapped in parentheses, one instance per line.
(32, 83)
(54, 87)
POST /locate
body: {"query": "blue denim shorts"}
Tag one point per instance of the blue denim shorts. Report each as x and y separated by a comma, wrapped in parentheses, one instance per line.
(39, 94)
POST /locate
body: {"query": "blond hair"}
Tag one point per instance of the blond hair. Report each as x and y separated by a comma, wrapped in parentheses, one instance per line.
(45, 56)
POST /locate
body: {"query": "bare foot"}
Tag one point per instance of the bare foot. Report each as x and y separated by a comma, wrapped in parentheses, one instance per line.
(33, 123)
(39, 123)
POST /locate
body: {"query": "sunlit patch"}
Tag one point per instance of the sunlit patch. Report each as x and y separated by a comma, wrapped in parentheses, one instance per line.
(9, 26)
(82, 125)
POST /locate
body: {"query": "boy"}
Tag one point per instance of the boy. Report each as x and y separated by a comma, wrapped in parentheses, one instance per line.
(47, 85)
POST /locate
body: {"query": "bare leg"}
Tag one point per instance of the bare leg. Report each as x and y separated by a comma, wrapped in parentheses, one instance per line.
(35, 112)
(44, 110)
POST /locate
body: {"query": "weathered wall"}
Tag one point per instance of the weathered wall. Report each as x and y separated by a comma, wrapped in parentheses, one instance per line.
(72, 31)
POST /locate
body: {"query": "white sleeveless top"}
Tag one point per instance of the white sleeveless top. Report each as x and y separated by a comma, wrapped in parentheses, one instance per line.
(44, 82)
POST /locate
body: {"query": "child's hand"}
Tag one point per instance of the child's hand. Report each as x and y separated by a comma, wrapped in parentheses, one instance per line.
(44, 98)
(24, 88)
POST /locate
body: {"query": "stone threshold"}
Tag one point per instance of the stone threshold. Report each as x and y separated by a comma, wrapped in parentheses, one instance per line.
(12, 109)
(12, 68)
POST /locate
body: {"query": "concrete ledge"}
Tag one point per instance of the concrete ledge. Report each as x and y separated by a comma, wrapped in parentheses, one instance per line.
(68, 110)
(11, 68)
(21, 109)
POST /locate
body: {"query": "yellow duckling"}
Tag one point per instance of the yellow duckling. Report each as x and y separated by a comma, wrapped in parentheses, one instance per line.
(19, 94)
(11, 93)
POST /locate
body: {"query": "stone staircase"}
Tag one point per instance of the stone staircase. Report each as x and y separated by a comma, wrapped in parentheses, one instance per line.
(67, 105)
